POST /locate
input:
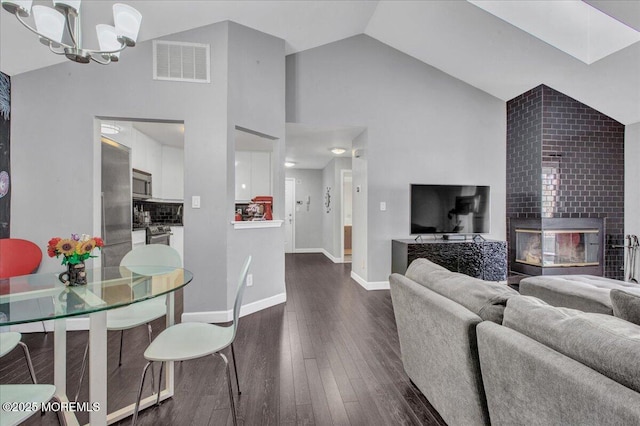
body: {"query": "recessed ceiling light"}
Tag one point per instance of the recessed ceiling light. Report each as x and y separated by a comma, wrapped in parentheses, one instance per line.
(109, 129)
(338, 151)
(289, 164)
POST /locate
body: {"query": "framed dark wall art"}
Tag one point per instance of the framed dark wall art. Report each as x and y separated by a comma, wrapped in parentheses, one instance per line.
(5, 164)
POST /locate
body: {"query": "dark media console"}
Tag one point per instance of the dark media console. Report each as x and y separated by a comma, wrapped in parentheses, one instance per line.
(484, 259)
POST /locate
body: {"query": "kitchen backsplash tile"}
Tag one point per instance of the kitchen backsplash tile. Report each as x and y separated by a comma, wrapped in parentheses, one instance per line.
(162, 213)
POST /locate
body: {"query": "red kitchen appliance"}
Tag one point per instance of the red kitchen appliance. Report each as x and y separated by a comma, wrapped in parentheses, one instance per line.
(267, 202)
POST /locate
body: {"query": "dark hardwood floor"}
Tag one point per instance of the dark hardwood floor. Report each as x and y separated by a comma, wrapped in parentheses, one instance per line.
(330, 355)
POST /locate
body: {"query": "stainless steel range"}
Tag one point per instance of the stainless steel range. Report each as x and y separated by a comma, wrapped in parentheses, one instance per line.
(159, 234)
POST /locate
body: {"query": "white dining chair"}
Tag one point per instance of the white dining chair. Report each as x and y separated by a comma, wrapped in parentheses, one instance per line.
(140, 313)
(10, 340)
(192, 340)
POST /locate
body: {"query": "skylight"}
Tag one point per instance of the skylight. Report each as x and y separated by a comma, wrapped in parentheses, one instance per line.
(572, 26)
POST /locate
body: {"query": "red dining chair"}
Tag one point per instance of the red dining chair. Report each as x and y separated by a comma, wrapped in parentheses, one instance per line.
(17, 257)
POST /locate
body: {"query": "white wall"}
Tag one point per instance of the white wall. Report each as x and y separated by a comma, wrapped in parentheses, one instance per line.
(423, 126)
(331, 220)
(56, 153)
(632, 179)
(347, 200)
(359, 247)
(308, 222)
(172, 173)
(256, 103)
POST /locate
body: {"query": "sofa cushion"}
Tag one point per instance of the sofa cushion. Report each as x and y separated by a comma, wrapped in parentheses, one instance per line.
(587, 293)
(604, 343)
(626, 305)
(486, 299)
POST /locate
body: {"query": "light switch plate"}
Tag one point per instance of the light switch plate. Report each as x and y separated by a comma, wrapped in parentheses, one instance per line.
(195, 202)
(383, 206)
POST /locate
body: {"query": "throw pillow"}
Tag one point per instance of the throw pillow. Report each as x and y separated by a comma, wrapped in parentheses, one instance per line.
(626, 305)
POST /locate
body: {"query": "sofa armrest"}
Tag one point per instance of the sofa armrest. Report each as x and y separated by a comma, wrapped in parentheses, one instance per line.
(439, 351)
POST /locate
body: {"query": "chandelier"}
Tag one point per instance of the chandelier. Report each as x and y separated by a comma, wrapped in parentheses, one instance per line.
(50, 24)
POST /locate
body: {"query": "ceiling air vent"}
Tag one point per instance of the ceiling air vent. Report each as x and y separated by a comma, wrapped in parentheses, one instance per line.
(177, 61)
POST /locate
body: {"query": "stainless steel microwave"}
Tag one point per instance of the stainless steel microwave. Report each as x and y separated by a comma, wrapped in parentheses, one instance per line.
(141, 184)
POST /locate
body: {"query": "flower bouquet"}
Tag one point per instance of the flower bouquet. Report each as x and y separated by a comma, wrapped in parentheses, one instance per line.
(74, 251)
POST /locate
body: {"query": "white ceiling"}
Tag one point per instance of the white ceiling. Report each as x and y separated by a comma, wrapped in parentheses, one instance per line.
(453, 36)
(171, 134)
(309, 147)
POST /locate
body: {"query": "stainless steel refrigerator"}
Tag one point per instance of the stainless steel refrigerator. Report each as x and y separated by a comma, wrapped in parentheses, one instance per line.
(116, 202)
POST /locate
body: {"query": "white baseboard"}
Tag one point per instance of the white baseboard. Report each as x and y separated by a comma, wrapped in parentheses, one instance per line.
(308, 250)
(323, 251)
(370, 285)
(331, 257)
(225, 316)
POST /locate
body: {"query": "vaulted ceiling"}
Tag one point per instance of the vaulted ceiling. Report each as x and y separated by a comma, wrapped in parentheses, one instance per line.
(454, 36)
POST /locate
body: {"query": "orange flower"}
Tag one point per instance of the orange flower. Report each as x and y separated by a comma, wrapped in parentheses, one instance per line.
(66, 246)
(84, 247)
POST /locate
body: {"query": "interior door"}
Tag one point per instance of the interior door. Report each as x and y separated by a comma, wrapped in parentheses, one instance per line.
(289, 214)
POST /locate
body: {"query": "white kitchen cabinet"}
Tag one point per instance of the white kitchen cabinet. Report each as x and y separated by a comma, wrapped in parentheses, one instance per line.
(176, 240)
(260, 173)
(243, 175)
(146, 155)
(138, 238)
(154, 164)
(253, 174)
(139, 154)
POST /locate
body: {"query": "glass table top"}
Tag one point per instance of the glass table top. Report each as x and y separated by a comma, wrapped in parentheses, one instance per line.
(39, 297)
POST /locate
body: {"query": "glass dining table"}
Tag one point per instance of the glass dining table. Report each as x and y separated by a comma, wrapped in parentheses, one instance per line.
(42, 297)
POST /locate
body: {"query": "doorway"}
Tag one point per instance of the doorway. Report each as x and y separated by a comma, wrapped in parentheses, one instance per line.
(289, 212)
(346, 214)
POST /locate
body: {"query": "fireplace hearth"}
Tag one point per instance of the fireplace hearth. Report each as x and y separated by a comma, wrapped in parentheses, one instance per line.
(557, 246)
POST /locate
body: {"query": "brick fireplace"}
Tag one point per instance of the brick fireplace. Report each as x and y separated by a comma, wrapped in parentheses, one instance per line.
(565, 160)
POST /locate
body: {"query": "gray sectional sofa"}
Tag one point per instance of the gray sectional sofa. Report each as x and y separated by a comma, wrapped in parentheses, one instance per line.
(584, 292)
(483, 354)
(437, 313)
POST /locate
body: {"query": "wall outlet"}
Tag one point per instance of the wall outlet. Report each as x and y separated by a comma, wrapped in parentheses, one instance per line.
(383, 206)
(249, 280)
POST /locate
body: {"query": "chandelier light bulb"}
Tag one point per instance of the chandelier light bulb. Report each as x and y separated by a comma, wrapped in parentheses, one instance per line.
(49, 22)
(127, 21)
(108, 39)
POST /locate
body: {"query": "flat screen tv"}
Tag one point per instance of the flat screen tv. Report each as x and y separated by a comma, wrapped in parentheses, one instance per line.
(450, 209)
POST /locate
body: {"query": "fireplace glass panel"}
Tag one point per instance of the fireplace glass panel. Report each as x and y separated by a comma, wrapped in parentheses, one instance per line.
(529, 247)
(557, 248)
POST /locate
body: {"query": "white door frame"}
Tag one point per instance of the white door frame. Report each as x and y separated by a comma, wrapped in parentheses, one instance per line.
(293, 212)
(344, 172)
